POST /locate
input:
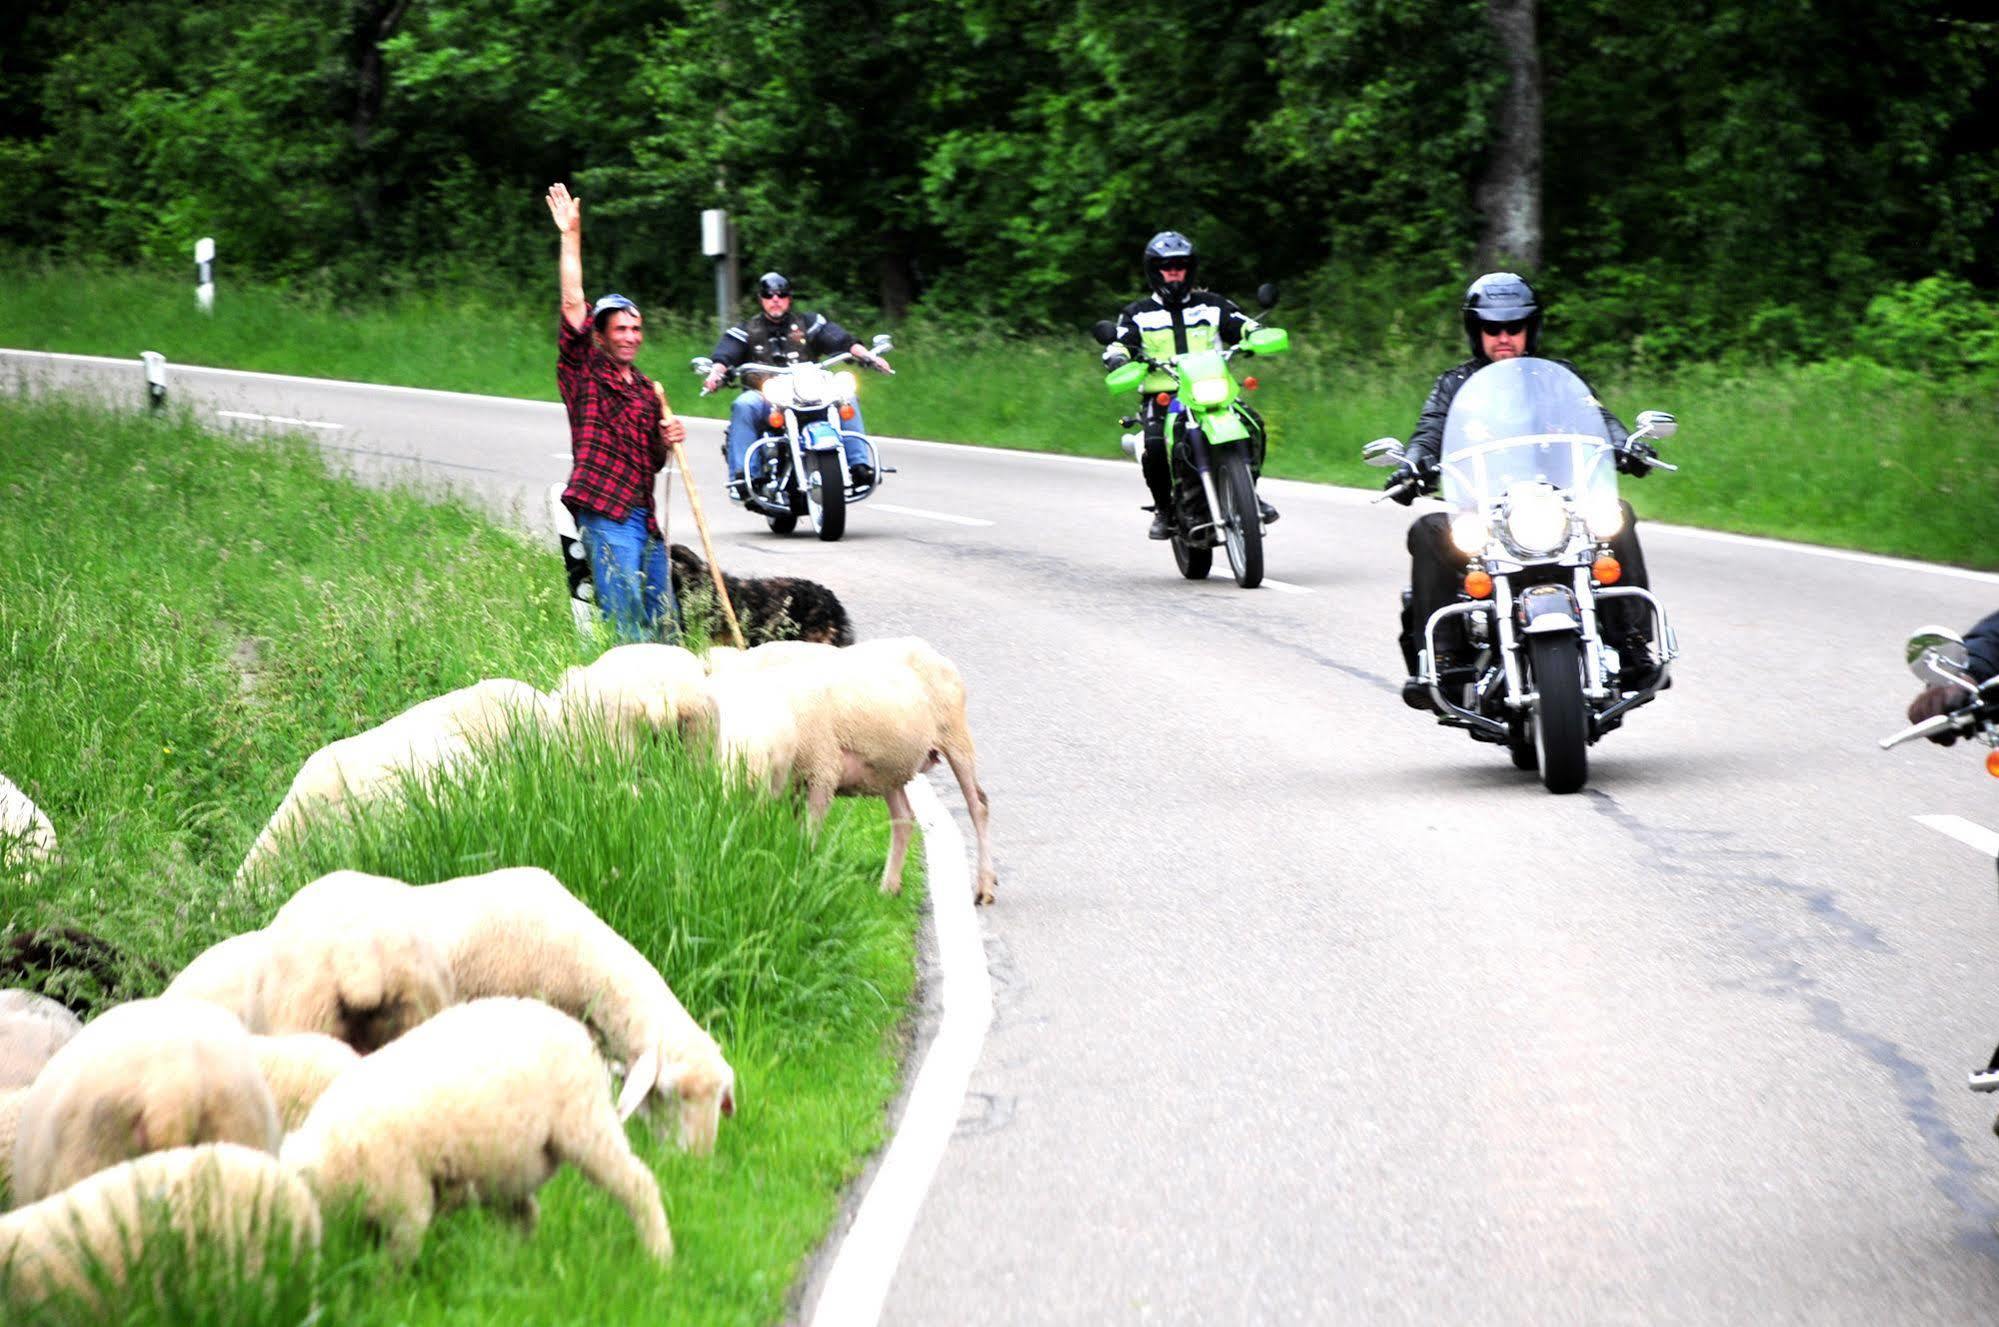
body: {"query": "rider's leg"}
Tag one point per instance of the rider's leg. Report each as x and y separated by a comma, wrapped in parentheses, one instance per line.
(1435, 569)
(1258, 438)
(852, 431)
(1152, 463)
(746, 423)
(1627, 623)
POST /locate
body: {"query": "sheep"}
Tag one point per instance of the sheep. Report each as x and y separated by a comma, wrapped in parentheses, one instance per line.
(226, 1201)
(11, 1100)
(425, 739)
(32, 1028)
(141, 1077)
(860, 721)
(639, 688)
(25, 832)
(519, 931)
(483, 1102)
(357, 976)
(298, 1068)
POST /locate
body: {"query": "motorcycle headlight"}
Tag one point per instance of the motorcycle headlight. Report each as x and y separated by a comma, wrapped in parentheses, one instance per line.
(1536, 519)
(845, 386)
(1210, 391)
(1605, 517)
(1469, 531)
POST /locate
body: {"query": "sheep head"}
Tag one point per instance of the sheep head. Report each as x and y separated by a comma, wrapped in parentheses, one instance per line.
(701, 1095)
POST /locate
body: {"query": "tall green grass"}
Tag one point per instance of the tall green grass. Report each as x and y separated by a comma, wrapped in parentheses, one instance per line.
(1844, 453)
(184, 618)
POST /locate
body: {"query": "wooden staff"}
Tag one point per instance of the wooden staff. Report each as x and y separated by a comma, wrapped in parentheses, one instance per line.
(701, 526)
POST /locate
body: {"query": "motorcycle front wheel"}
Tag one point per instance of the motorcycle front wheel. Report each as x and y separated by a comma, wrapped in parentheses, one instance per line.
(784, 524)
(1194, 563)
(825, 495)
(1561, 719)
(1242, 526)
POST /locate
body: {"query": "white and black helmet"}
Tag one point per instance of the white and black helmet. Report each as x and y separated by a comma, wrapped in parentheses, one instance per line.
(1501, 297)
(1170, 247)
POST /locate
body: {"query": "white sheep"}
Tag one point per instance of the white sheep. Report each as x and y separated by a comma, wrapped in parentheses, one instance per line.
(231, 1203)
(641, 688)
(860, 721)
(298, 1068)
(357, 976)
(425, 740)
(519, 931)
(140, 1077)
(482, 1103)
(32, 1028)
(11, 1101)
(25, 832)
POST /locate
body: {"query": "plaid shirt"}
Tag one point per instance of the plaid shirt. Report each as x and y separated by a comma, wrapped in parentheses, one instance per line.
(612, 429)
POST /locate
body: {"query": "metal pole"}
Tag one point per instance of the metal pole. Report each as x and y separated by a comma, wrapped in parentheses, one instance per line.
(718, 241)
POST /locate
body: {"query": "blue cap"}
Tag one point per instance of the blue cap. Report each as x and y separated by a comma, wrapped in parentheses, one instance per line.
(610, 303)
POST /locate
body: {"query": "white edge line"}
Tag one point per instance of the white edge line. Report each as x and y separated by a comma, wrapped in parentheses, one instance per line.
(1339, 492)
(1964, 831)
(857, 1285)
(1286, 586)
(279, 419)
(930, 515)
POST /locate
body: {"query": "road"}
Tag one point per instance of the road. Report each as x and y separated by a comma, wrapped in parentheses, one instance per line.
(1309, 1010)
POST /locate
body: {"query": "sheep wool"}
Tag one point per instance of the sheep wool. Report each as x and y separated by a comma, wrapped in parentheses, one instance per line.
(483, 1102)
(141, 1077)
(232, 1204)
(11, 1100)
(32, 1029)
(25, 832)
(641, 688)
(298, 1068)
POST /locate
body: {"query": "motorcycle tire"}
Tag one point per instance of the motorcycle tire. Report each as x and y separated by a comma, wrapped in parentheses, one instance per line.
(825, 495)
(1520, 744)
(1194, 563)
(1242, 526)
(784, 524)
(1561, 718)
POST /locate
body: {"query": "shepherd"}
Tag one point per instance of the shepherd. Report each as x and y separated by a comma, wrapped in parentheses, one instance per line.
(620, 433)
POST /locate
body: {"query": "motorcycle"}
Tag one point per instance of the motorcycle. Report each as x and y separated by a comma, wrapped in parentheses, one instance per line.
(1937, 657)
(1530, 475)
(799, 466)
(1210, 434)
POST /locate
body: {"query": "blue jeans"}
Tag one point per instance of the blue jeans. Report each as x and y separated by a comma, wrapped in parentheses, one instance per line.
(749, 418)
(629, 570)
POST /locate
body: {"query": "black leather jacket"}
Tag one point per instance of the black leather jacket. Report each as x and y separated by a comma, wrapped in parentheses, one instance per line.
(796, 336)
(1426, 443)
(1983, 643)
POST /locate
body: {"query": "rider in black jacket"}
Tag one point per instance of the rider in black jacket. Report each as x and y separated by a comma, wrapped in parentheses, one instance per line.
(1502, 320)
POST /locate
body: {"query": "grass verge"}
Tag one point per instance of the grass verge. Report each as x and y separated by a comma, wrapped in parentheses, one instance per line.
(1844, 453)
(183, 618)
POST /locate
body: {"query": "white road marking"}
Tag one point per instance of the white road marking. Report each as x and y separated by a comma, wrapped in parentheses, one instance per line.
(280, 419)
(1976, 836)
(929, 515)
(858, 1284)
(1286, 586)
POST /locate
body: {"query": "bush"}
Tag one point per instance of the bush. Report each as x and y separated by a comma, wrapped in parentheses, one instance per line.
(1939, 326)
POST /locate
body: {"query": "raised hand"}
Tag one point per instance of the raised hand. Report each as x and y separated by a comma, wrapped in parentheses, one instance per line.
(565, 208)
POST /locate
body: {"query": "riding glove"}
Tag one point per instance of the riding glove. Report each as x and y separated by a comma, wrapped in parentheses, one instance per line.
(1414, 477)
(1931, 702)
(1632, 460)
(1116, 356)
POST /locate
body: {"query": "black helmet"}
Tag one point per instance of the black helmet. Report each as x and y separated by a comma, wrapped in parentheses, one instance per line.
(1501, 297)
(772, 284)
(1170, 246)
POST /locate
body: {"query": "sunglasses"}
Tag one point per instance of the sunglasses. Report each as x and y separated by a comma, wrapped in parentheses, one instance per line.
(1504, 329)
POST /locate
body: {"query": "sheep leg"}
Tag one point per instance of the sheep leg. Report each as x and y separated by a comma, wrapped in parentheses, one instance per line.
(606, 1159)
(818, 801)
(901, 818)
(403, 1208)
(964, 766)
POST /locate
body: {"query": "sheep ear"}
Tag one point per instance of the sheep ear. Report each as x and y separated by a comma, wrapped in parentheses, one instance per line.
(638, 1082)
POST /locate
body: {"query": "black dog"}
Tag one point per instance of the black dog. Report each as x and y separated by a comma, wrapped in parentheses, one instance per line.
(768, 607)
(76, 968)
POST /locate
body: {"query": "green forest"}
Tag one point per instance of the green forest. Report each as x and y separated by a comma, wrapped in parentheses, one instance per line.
(1769, 179)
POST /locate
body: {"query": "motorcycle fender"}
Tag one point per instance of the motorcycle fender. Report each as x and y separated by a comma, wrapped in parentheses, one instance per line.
(1225, 427)
(820, 437)
(1546, 608)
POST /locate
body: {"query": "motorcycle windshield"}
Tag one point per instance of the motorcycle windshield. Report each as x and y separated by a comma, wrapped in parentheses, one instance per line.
(1522, 421)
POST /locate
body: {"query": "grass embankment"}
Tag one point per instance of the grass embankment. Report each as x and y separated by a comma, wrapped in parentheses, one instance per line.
(1845, 453)
(183, 619)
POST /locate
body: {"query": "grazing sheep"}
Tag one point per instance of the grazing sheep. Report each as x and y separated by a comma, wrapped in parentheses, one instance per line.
(768, 607)
(25, 833)
(641, 688)
(482, 1103)
(298, 1068)
(32, 1028)
(141, 1077)
(425, 739)
(225, 1201)
(360, 977)
(11, 1100)
(520, 932)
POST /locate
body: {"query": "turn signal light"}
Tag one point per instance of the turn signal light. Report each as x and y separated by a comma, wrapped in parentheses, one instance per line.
(846, 412)
(1607, 570)
(1992, 763)
(1163, 397)
(1250, 384)
(776, 420)
(1478, 583)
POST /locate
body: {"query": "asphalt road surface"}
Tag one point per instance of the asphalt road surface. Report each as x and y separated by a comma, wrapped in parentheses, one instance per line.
(1309, 1010)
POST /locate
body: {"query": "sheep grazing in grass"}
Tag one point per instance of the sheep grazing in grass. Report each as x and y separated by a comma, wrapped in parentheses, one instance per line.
(298, 1068)
(482, 1103)
(859, 722)
(141, 1077)
(229, 1206)
(32, 1029)
(11, 1101)
(423, 740)
(639, 689)
(359, 977)
(25, 833)
(520, 932)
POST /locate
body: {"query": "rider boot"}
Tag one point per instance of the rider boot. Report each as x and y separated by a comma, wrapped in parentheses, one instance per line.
(1265, 510)
(1636, 668)
(1162, 523)
(864, 474)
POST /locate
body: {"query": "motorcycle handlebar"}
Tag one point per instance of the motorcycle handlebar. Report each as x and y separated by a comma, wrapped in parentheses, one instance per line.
(1956, 719)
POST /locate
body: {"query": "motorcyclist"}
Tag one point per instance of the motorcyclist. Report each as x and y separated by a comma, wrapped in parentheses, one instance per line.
(1502, 320)
(780, 334)
(1175, 319)
(1981, 644)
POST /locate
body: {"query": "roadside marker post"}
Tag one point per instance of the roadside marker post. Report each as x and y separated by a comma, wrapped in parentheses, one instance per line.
(156, 377)
(204, 274)
(718, 241)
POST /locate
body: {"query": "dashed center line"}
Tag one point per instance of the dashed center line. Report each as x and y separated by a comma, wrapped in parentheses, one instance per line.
(1964, 831)
(280, 419)
(930, 515)
(1286, 586)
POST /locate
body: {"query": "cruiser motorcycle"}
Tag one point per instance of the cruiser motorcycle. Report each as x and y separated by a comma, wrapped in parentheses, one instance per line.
(799, 466)
(1530, 476)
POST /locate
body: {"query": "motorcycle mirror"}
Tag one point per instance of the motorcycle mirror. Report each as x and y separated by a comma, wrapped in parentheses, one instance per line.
(1105, 331)
(1937, 656)
(1657, 424)
(883, 343)
(701, 364)
(1383, 452)
(1266, 295)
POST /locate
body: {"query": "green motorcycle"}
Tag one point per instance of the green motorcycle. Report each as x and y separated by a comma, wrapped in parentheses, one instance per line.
(1211, 436)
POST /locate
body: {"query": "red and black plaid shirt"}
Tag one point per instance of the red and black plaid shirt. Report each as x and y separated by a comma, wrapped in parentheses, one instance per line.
(612, 426)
